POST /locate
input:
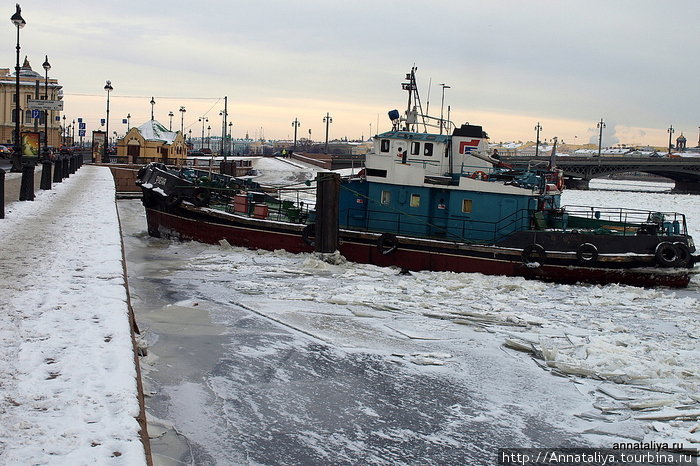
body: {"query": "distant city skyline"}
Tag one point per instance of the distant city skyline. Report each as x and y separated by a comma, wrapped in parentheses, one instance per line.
(509, 65)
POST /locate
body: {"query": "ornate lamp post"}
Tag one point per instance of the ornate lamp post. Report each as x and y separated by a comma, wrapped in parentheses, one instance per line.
(182, 120)
(128, 122)
(538, 128)
(208, 135)
(600, 125)
(153, 104)
(296, 123)
(670, 132)
(47, 66)
(63, 132)
(327, 120)
(19, 22)
(170, 114)
(108, 88)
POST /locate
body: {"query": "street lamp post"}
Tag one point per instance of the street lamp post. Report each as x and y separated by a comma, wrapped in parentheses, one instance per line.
(296, 123)
(442, 105)
(19, 22)
(182, 120)
(47, 66)
(203, 120)
(72, 137)
(232, 147)
(670, 132)
(108, 88)
(170, 114)
(327, 120)
(208, 135)
(128, 122)
(600, 125)
(153, 104)
(63, 132)
(538, 128)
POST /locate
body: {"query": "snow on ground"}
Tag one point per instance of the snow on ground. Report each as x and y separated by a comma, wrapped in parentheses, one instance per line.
(67, 375)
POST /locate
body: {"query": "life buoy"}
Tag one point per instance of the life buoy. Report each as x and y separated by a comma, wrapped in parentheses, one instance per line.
(479, 175)
(201, 197)
(685, 257)
(387, 243)
(587, 254)
(308, 234)
(173, 200)
(560, 180)
(666, 254)
(533, 254)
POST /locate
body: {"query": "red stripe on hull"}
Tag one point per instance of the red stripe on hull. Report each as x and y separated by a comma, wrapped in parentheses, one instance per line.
(411, 259)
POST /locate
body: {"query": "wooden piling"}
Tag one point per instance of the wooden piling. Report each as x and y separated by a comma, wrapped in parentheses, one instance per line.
(327, 194)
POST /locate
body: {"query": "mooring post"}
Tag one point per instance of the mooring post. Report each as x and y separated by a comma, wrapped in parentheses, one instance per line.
(2, 193)
(66, 170)
(327, 193)
(57, 171)
(26, 188)
(45, 175)
(71, 164)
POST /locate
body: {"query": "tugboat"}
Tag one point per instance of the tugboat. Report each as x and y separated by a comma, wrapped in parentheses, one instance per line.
(431, 201)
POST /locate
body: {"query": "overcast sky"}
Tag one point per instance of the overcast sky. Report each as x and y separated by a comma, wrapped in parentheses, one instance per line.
(509, 64)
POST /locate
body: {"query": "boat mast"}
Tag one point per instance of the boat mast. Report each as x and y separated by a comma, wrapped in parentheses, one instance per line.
(412, 88)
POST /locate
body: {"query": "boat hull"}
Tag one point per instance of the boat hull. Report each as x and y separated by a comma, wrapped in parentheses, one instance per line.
(188, 222)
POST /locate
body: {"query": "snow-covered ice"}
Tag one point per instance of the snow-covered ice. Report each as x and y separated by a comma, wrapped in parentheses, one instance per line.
(514, 363)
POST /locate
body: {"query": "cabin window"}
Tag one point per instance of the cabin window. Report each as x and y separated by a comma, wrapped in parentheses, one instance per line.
(415, 148)
(428, 149)
(466, 206)
(384, 146)
(415, 200)
(386, 197)
(376, 172)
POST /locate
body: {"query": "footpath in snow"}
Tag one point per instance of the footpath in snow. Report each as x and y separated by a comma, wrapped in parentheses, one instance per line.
(68, 379)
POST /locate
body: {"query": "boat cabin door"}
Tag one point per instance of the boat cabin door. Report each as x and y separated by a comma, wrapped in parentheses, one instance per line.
(439, 213)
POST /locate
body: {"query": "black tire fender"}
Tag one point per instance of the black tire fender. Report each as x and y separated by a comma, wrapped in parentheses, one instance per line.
(308, 234)
(201, 197)
(387, 243)
(173, 200)
(685, 257)
(667, 255)
(587, 254)
(533, 253)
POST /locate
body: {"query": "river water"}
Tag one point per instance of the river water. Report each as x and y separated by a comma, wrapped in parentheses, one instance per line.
(258, 357)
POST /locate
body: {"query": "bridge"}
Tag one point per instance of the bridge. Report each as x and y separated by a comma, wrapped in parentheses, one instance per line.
(579, 171)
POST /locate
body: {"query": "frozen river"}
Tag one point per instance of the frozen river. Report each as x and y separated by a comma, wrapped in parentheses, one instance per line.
(273, 358)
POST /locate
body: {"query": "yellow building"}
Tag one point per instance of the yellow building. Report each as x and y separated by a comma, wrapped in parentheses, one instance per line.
(30, 82)
(152, 141)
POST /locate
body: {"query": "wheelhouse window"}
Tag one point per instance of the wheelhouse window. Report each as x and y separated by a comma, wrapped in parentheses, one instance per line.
(384, 145)
(415, 200)
(415, 148)
(386, 197)
(428, 149)
(466, 206)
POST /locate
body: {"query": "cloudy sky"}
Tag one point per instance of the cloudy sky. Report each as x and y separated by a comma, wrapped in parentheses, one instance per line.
(509, 64)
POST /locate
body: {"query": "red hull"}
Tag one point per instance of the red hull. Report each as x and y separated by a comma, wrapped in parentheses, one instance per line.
(360, 247)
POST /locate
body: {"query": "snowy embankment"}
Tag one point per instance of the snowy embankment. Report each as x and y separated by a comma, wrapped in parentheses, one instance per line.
(68, 391)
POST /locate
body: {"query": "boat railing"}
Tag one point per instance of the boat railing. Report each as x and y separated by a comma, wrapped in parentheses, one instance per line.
(630, 221)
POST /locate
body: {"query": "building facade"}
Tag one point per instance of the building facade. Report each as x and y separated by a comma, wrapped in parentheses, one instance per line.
(152, 140)
(32, 85)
